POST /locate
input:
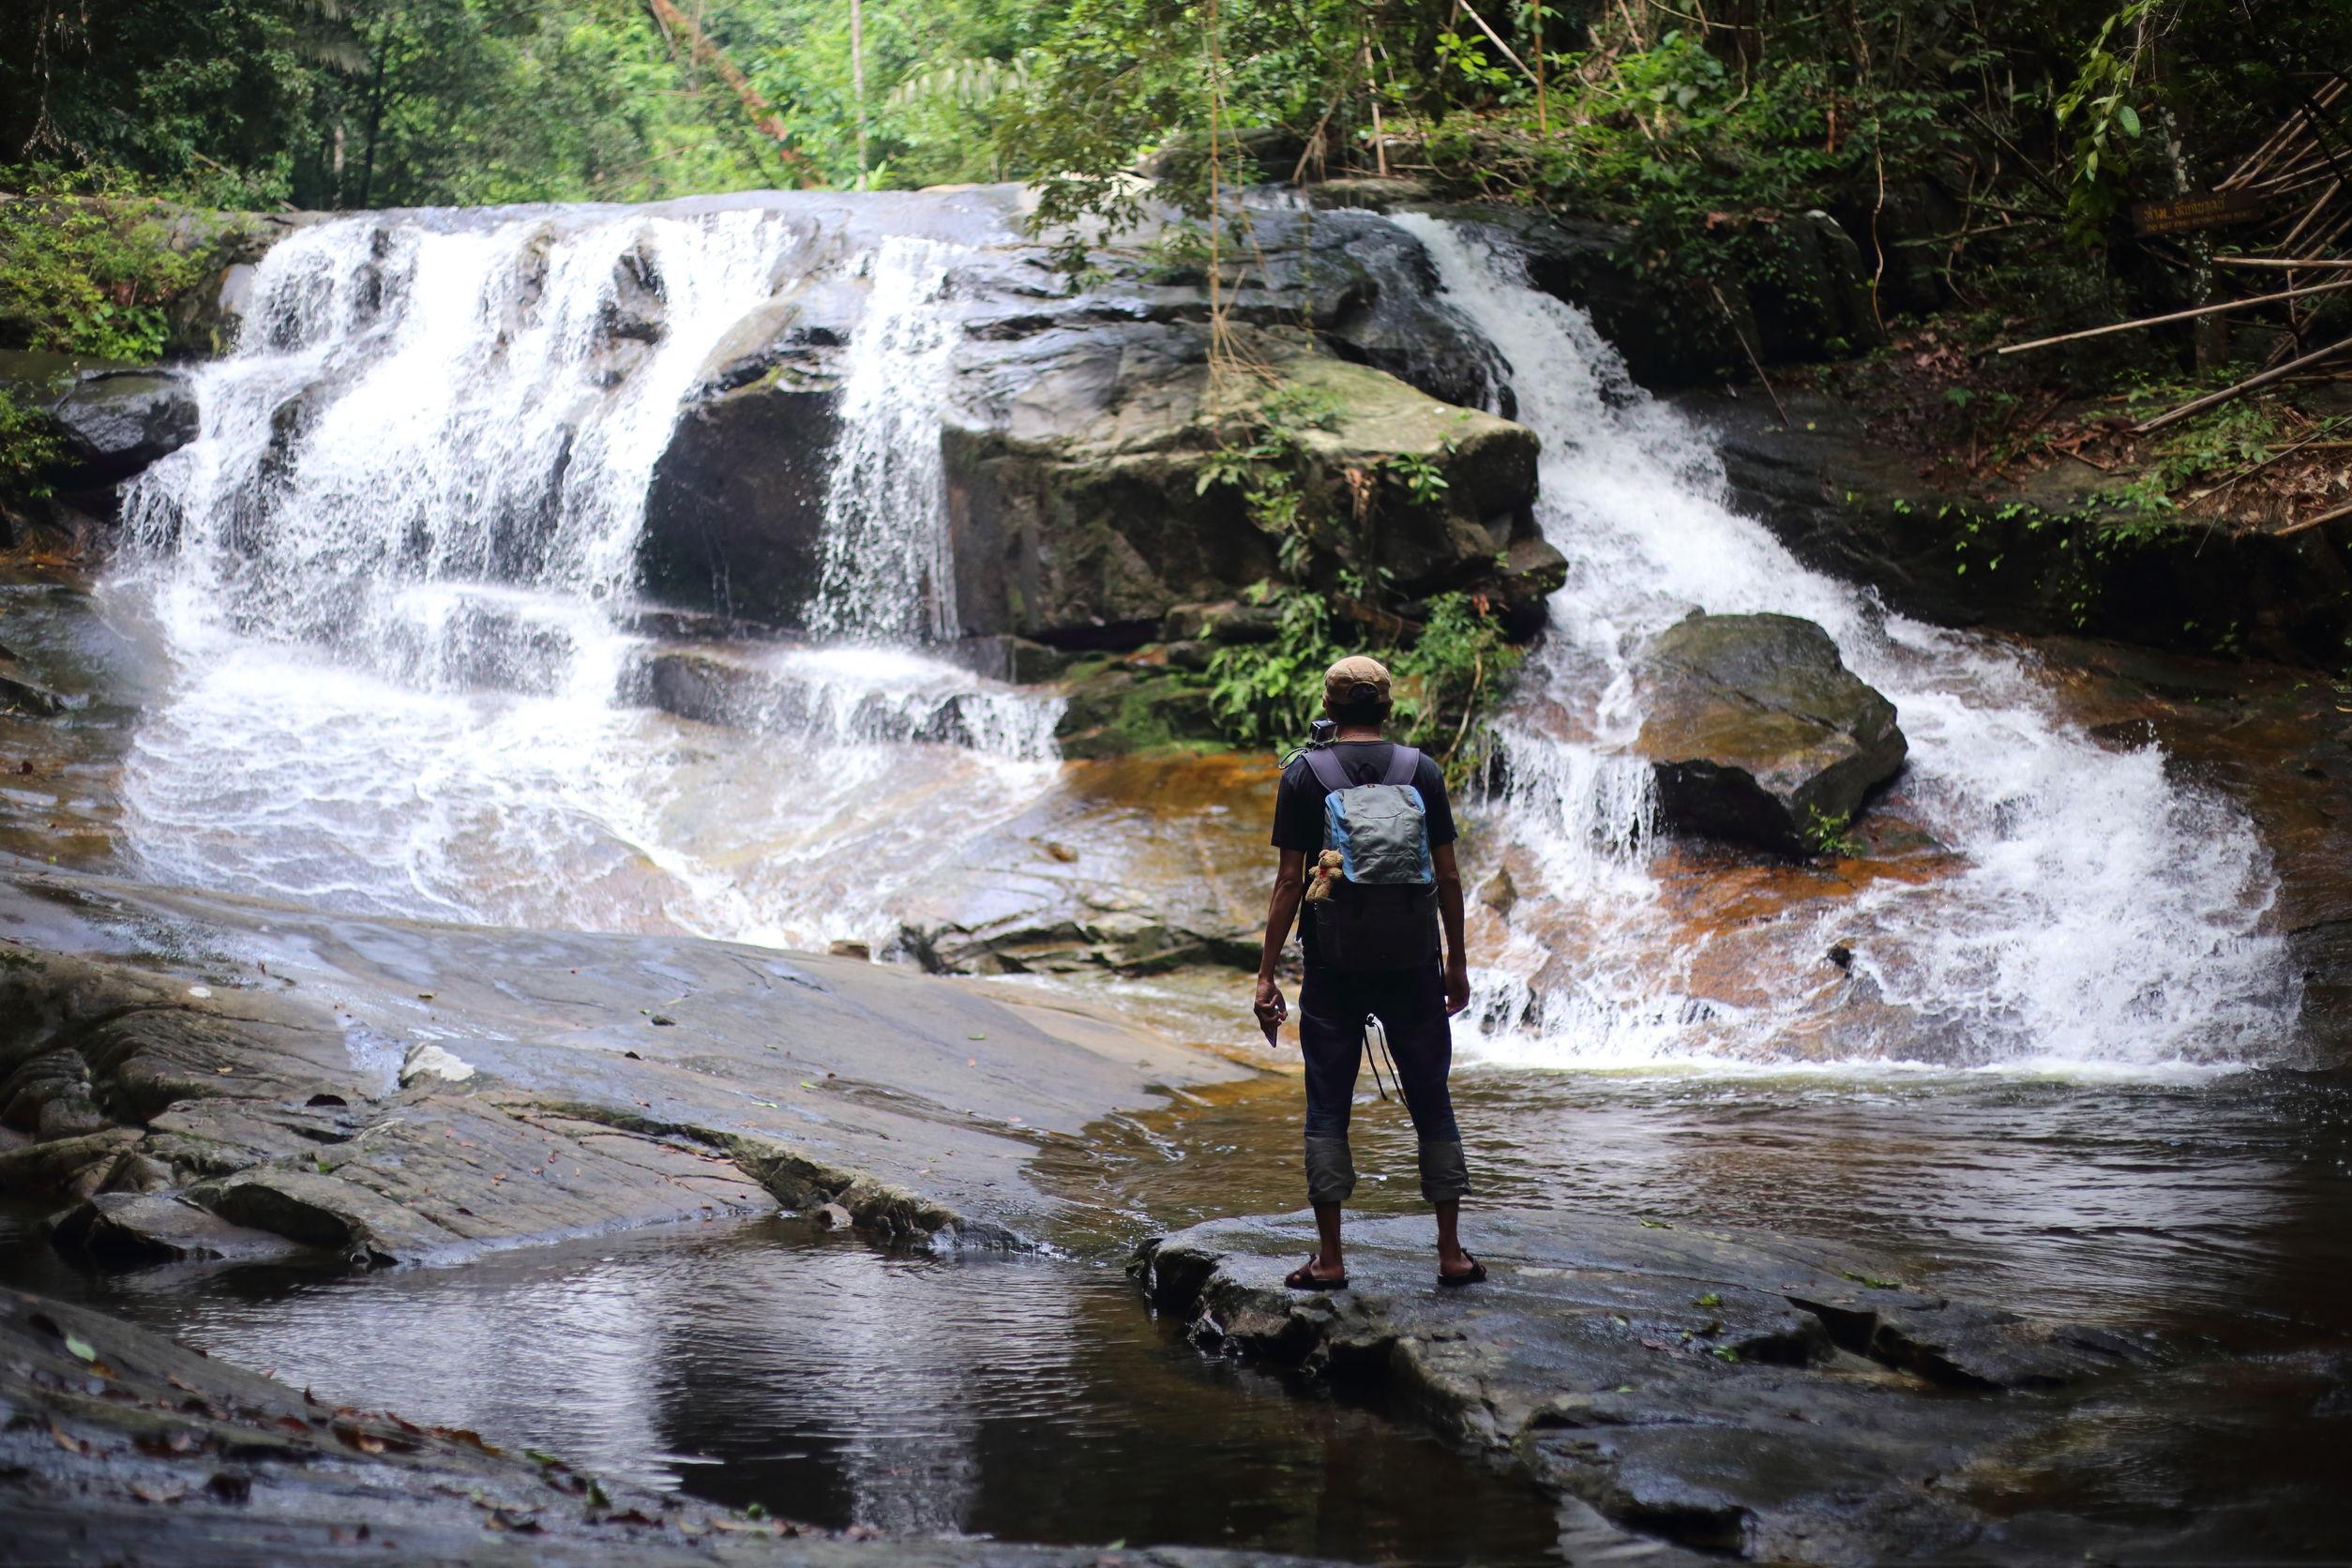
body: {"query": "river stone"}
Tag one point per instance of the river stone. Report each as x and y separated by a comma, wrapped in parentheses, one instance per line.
(2054, 554)
(1733, 1392)
(1808, 296)
(140, 1227)
(1758, 732)
(734, 515)
(117, 422)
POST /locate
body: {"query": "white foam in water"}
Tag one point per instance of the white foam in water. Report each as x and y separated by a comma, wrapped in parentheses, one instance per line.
(2104, 915)
(887, 573)
(387, 572)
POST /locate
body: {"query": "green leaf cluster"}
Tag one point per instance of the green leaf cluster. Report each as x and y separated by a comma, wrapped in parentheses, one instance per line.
(1448, 672)
(87, 266)
(28, 446)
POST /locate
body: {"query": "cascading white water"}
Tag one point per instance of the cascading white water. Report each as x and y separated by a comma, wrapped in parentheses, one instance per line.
(887, 572)
(391, 575)
(2102, 915)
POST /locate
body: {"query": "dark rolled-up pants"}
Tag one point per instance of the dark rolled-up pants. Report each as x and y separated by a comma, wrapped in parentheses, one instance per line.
(1411, 1006)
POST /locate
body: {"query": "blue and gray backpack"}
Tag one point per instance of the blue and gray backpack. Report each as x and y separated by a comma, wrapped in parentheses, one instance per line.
(1380, 911)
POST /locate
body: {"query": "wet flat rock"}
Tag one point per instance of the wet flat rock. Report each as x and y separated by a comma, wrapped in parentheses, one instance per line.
(119, 1446)
(1738, 1394)
(391, 1091)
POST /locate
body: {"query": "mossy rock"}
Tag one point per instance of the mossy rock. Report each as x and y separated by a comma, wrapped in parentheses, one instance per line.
(1757, 731)
(1087, 517)
(1117, 706)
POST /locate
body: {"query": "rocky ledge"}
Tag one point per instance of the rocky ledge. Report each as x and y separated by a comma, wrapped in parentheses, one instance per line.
(122, 1447)
(2056, 553)
(1737, 1393)
(202, 1076)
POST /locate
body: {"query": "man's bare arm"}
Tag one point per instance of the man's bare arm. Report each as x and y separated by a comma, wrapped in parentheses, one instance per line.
(1282, 909)
(1450, 910)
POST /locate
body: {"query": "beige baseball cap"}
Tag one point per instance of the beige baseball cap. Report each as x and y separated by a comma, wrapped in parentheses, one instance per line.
(1342, 679)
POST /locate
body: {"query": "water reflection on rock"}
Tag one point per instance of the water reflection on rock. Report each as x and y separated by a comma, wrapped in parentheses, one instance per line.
(755, 1363)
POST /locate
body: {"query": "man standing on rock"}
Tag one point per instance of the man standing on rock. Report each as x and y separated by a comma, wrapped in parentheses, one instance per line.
(1373, 817)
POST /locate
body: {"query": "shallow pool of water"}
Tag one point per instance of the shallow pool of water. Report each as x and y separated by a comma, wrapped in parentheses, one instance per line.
(1025, 1398)
(2220, 1209)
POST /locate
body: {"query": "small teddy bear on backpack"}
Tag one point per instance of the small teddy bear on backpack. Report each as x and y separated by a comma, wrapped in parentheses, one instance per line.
(1327, 866)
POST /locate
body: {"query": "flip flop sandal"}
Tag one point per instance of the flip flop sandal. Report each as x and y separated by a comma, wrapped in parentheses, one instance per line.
(1474, 1274)
(1303, 1277)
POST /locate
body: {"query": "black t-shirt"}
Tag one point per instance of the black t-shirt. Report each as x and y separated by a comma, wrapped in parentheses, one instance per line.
(1298, 823)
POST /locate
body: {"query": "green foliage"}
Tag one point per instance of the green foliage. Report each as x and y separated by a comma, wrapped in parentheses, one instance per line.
(343, 103)
(1825, 832)
(28, 445)
(1448, 681)
(2098, 111)
(87, 266)
(1262, 455)
(1712, 165)
(1423, 476)
(1267, 694)
(1447, 676)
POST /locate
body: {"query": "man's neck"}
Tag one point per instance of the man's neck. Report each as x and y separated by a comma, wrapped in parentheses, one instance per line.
(1358, 732)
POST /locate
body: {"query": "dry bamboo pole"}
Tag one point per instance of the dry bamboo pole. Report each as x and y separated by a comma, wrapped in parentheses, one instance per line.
(2288, 130)
(2282, 260)
(2317, 208)
(1472, 12)
(1542, 116)
(700, 49)
(2199, 405)
(2302, 177)
(2343, 511)
(2178, 316)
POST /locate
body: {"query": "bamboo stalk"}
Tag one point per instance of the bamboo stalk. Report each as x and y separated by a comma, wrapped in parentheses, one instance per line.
(2305, 221)
(1472, 12)
(700, 49)
(1543, 116)
(2288, 128)
(2199, 405)
(2343, 511)
(2282, 260)
(2180, 315)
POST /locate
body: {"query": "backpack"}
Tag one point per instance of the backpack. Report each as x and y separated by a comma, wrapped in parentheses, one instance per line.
(1382, 911)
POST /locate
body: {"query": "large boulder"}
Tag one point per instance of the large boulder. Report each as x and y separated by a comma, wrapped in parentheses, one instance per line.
(116, 422)
(1085, 507)
(1075, 437)
(734, 515)
(1758, 732)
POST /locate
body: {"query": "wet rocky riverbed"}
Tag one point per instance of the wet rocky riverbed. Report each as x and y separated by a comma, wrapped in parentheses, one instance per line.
(763, 1362)
(2189, 1225)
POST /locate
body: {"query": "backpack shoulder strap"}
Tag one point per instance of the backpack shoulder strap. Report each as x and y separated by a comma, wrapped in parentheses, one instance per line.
(1404, 763)
(1325, 764)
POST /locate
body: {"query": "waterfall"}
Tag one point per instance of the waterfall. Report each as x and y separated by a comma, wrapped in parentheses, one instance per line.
(394, 574)
(887, 571)
(2101, 914)
(428, 432)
